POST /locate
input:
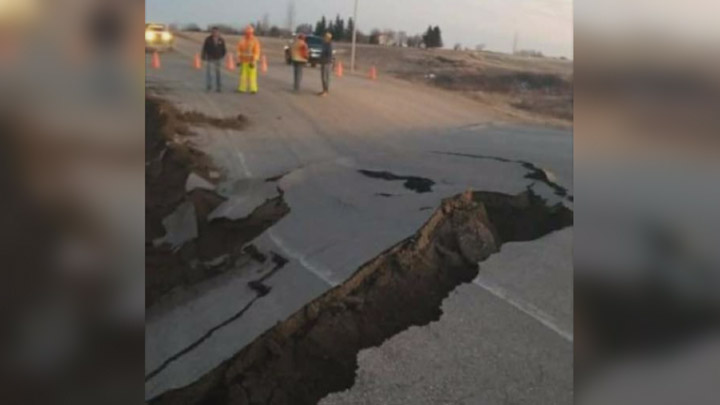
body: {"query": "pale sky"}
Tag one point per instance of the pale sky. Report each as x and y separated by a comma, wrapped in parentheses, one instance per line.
(544, 25)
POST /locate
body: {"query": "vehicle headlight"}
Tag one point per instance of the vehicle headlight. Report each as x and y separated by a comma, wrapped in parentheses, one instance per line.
(149, 36)
(166, 36)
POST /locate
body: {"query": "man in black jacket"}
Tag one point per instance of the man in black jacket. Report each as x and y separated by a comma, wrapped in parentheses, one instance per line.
(213, 53)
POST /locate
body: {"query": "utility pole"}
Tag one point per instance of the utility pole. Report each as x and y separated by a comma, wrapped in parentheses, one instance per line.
(354, 38)
(291, 16)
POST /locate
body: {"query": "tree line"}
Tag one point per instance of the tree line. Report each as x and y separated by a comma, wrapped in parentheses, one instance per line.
(433, 37)
(341, 31)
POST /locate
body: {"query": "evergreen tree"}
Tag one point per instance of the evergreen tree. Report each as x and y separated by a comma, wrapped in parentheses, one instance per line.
(427, 38)
(349, 30)
(321, 27)
(339, 32)
(437, 37)
(433, 37)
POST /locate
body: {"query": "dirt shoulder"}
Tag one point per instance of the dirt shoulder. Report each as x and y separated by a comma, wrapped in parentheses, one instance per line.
(534, 89)
(537, 89)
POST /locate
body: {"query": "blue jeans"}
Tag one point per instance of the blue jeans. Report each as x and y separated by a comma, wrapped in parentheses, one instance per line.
(326, 68)
(213, 64)
(298, 73)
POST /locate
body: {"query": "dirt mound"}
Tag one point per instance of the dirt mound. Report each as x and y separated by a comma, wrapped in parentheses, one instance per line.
(170, 159)
(314, 351)
(197, 118)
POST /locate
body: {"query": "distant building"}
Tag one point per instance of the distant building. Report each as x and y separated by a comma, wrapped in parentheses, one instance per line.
(392, 38)
(383, 39)
(402, 39)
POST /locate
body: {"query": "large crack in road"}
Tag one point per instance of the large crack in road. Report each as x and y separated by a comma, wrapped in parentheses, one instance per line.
(414, 183)
(261, 290)
(314, 352)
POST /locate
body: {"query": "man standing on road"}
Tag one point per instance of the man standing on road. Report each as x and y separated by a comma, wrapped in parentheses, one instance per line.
(326, 60)
(248, 55)
(213, 52)
(300, 55)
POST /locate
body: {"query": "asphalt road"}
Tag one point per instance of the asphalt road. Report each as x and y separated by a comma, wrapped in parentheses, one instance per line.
(341, 218)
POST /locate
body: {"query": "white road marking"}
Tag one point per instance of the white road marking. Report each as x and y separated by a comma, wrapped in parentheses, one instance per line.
(322, 275)
(525, 307)
(243, 163)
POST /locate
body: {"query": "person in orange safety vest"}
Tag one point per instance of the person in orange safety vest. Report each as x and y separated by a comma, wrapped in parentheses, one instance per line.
(248, 51)
(300, 54)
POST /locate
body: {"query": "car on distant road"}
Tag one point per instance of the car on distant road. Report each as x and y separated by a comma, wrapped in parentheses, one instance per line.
(158, 37)
(315, 44)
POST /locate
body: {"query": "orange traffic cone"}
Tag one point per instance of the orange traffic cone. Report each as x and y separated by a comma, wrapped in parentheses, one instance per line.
(264, 64)
(373, 73)
(155, 60)
(230, 62)
(339, 69)
(198, 63)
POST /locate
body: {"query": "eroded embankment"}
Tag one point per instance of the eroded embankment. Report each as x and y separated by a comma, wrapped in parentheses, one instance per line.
(314, 352)
(218, 243)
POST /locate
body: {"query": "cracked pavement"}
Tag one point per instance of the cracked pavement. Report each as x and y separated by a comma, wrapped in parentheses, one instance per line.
(316, 150)
(486, 348)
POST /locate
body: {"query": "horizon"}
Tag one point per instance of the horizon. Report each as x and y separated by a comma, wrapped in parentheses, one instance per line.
(541, 25)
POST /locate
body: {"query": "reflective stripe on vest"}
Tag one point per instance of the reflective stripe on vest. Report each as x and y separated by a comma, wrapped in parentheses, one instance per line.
(246, 49)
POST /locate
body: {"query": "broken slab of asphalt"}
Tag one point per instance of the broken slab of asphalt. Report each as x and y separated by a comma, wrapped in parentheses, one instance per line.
(260, 289)
(184, 244)
(534, 172)
(314, 352)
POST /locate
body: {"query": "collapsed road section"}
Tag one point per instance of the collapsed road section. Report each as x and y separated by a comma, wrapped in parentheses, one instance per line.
(314, 352)
(185, 242)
